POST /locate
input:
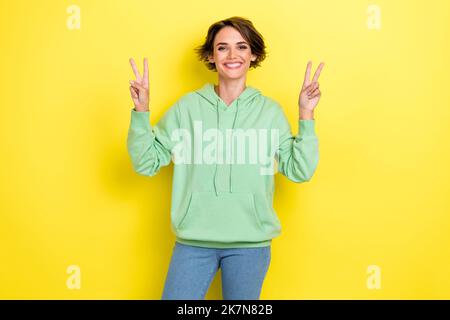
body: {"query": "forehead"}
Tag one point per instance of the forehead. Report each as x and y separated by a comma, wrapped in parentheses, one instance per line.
(228, 34)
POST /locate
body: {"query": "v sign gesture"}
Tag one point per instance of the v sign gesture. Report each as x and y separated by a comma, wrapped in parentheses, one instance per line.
(309, 94)
(139, 88)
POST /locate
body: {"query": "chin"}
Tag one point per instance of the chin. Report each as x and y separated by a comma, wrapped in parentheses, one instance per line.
(233, 75)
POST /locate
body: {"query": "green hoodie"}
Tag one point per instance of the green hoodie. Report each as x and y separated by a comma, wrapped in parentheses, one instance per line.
(225, 158)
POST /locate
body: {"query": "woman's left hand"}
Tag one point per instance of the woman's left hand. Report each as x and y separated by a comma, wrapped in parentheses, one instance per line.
(310, 94)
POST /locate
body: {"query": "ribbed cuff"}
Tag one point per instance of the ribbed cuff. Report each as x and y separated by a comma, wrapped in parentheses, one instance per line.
(306, 127)
(140, 119)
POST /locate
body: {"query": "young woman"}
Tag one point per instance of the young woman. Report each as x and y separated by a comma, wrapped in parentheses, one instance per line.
(223, 140)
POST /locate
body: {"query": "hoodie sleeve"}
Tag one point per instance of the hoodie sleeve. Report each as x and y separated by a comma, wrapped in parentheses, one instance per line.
(297, 155)
(150, 147)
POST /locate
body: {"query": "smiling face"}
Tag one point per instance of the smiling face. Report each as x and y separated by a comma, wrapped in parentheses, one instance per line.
(232, 54)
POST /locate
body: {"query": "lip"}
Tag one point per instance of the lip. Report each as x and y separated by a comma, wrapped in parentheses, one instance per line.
(225, 65)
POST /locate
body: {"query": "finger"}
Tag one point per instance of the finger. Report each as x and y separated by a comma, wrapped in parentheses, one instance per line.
(135, 70)
(314, 86)
(306, 81)
(145, 78)
(307, 88)
(137, 85)
(315, 93)
(317, 73)
(133, 92)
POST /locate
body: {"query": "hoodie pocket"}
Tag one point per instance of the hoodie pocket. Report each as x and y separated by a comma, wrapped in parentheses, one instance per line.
(229, 217)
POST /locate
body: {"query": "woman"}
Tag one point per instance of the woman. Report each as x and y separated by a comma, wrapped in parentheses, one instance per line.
(221, 211)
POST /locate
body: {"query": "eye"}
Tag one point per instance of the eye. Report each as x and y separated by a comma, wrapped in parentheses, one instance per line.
(243, 47)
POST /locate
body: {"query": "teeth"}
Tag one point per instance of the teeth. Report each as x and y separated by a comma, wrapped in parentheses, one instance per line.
(233, 65)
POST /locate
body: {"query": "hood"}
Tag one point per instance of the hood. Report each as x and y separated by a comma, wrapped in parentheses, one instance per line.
(210, 96)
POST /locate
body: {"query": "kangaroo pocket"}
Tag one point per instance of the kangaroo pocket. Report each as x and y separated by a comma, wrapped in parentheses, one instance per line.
(228, 217)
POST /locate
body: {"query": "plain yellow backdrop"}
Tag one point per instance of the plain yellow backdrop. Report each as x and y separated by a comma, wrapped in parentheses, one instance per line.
(379, 197)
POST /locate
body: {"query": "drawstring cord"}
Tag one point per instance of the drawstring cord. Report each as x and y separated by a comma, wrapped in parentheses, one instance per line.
(217, 150)
(232, 149)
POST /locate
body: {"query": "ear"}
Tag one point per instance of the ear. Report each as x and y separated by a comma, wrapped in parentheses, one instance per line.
(211, 59)
(254, 57)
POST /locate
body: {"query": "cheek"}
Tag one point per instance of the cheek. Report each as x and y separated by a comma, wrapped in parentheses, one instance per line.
(248, 57)
(220, 55)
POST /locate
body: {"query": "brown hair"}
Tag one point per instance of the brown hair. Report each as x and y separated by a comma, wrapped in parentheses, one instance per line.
(248, 32)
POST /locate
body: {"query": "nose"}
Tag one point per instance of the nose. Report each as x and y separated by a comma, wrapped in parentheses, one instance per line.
(231, 54)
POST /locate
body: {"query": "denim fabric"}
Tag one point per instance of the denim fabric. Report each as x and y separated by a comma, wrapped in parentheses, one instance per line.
(193, 268)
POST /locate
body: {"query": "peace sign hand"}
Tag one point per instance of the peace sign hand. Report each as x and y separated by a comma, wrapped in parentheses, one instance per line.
(139, 88)
(310, 94)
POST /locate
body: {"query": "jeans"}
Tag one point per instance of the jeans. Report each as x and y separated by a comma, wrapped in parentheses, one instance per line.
(193, 268)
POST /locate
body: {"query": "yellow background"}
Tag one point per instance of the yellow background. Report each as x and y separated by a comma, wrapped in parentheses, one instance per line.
(380, 195)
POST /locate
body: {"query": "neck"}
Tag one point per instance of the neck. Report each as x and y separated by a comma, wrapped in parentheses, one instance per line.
(229, 91)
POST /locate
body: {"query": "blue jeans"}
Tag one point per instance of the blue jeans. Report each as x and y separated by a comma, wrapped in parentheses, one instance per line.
(193, 268)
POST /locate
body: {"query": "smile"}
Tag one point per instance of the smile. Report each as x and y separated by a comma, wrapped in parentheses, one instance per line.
(233, 65)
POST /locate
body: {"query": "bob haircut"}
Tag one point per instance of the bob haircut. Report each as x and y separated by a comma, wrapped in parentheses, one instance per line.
(248, 32)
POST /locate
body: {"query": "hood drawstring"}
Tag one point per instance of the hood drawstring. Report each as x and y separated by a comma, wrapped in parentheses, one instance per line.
(208, 93)
(232, 148)
(217, 147)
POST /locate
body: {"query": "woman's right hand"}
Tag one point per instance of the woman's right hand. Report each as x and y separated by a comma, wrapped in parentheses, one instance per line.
(139, 88)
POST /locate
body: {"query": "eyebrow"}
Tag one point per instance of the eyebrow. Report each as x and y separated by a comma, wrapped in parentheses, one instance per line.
(227, 43)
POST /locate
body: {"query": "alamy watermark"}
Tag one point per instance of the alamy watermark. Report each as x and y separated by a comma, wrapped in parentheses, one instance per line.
(237, 146)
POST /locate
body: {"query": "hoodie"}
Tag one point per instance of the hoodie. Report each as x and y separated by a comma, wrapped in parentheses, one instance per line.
(225, 158)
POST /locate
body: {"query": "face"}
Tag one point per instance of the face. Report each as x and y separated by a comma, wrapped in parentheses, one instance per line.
(232, 54)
